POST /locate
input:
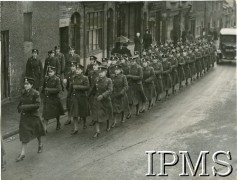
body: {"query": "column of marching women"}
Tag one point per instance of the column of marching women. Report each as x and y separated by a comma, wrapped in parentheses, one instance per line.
(110, 89)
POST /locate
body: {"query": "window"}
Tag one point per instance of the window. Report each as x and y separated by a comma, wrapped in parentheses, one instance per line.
(95, 30)
(28, 27)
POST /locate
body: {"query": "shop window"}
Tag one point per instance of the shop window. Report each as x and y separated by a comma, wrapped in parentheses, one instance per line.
(28, 27)
(94, 31)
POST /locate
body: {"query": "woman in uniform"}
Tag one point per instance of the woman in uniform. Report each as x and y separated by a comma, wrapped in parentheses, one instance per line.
(52, 105)
(80, 106)
(181, 73)
(102, 106)
(30, 123)
(148, 84)
(166, 74)
(92, 76)
(119, 95)
(136, 93)
(68, 82)
(158, 68)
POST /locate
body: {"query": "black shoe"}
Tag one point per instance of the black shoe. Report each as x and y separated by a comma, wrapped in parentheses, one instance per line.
(67, 123)
(142, 111)
(108, 129)
(40, 148)
(113, 125)
(20, 158)
(92, 123)
(96, 135)
(58, 126)
(129, 116)
(74, 132)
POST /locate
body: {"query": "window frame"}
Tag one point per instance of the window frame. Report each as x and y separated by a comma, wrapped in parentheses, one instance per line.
(95, 30)
(27, 18)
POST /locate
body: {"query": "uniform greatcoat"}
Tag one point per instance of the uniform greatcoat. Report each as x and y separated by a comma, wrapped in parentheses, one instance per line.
(69, 78)
(167, 80)
(52, 61)
(158, 68)
(34, 69)
(69, 59)
(187, 67)
(148, 82)
(119, 95)
(102, 110)
(52, 105)
(174, 73)
(30, 123)
(181, 72)
(78, 93)
(136, 93)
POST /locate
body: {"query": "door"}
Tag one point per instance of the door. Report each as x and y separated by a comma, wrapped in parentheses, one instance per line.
(75, 32)
(64, 39)
(5, 85)
(110, 27)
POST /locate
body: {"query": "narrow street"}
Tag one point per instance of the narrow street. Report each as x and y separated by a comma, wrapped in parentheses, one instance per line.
(200, 117)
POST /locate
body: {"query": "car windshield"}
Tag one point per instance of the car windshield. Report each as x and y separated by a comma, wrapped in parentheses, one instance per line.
(228, 38)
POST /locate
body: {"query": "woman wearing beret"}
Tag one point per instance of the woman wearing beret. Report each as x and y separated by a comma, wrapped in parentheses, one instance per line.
(30, 123)
(34, 69)
(52, 105)
(136, 93)
(80, 106)
(148, 84)
(102, 106)
(166, 74)
(119, 95)
(68, 81)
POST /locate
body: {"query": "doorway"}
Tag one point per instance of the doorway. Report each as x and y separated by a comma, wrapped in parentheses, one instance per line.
(64, 40)
(5, 84)
(110, 28)
(75, 32)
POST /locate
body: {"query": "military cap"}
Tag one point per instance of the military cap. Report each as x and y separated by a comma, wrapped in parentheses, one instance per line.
(51, 51)
(79, 66)
(104, 59)
(102, 68)
(93, 58)
(136, 52)
(118, 66)
(164, 56)
(29, 80)
(56, 47)
(71, 49)
(51, 68)
(35, 50)
(114, 58)
(74, 63)
(97, 62)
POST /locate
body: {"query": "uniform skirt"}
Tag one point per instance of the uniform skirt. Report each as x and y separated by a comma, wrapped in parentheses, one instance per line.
(158, 85)
(187, 71)
(167, 81)
(150, 90)
(52, 107)
(102, 110)
(80, 105)
(175, 76)
(181, 73)
(119, 103)
(30, 127)
(198, 65)
(136, 94)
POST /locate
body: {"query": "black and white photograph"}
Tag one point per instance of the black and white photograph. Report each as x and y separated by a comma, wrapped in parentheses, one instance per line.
(118, 90)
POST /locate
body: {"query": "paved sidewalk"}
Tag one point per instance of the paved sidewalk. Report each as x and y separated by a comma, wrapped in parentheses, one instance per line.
(10, 117)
